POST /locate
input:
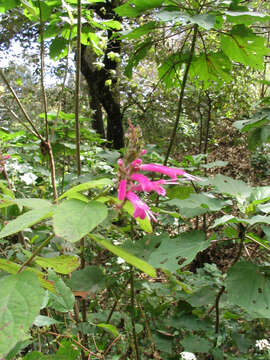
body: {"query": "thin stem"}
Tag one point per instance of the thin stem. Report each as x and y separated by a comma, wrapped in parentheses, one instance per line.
(77, 89)
(21, 106)
(181, 97)
(35, 253)
(42, 72)
(132, 303)
(52, 167)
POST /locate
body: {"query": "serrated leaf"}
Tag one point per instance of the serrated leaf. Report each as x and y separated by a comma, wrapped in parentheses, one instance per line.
(21, 297)
(211, 67)
(100, 183)
(187, 246)
(129, 258)
(58, 48)
(26, 220)
(248, 286)
(243, 46)
(73, 219)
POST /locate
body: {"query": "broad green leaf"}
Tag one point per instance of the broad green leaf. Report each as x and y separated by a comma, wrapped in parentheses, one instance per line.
(110, 328)
(21, 297)
(194, 343)
(141, 30)
(26, 220)
(73, 219)
(186, 246)
(58, 48)
(224, 220)
(211, 67)
(248, 286)
(227, 185)
(203, 297)
(198, 204)
(129, 258)
(13, 268)
(206, 21)
(243, 46)
(31, 203)
(42, 320)
(246, 17)
(134, 8)
(170, 70)
(63, 264)
(63, 300)
(259, 119)
(100, 183)
(90, 279)
(8, 4)
(179, 192)
(140, 52)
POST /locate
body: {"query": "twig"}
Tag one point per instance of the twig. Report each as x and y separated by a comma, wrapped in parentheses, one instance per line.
(35, 253)
(132, 303)
(110, 346)
(21, 106)
(181, 97)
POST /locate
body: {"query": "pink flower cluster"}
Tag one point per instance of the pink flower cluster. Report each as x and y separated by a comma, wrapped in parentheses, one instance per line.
(132, 180)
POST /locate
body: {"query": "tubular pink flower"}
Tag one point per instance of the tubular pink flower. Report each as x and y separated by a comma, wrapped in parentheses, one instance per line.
(145, 183)
(171, 172)
(141, 209)
(6, 157)
(136, 163)
(122, 190)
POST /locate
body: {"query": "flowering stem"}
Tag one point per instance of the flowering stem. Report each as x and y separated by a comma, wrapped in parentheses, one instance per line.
(181, 97)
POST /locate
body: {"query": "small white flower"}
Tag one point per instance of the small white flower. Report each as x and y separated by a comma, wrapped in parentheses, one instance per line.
(185, 355)
(29, 178)
(263, 344)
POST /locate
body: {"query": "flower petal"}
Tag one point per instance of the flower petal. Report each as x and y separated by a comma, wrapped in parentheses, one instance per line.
(122, 190)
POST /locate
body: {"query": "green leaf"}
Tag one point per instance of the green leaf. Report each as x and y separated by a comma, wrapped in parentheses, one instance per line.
(227, 185)
(211, 67)
(26, 220)
(100, 183)
(248, 286)
(13, 268)
(58, 48)
(41, 320)
(21, 297)
(243, 46)
(134, 8)
(140, 53)
(129, 258)
(73, 219)
(206, 21)
(110, 328)
(197, 204)
(5, 190)
(64, 299)
(8, 4)
(63, 264)
(31, 203)
(187, 246)
(246, 17)
(179, 192)
(90, 279)
(195, 343)
(141, 30)
(170, 70)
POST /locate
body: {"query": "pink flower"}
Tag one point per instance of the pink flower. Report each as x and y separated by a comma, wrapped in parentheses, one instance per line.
(171, 172)
(122, 190)
(132, 180)
(141, 209)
